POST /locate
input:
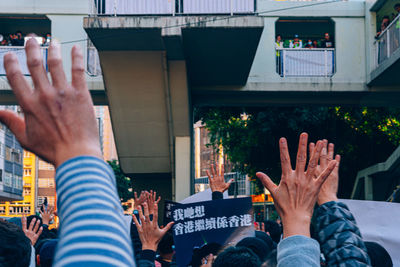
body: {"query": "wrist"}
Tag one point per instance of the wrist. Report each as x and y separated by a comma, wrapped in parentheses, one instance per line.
(67, 153)
(296, 225)
(152, 247)
(326, 198)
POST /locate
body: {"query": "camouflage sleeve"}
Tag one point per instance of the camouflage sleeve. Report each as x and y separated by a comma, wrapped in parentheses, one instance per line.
(339, 236)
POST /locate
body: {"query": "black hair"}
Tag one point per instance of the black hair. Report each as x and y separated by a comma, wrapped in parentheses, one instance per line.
(31, 217)
(166, 244)
(204, 251)
(274, 230)
(18, 32)
(385, 17)
(397, 5)
(278, 35)
(15, 247)
(271, 260)
(259, 247)
(378, 255)
(238, 257)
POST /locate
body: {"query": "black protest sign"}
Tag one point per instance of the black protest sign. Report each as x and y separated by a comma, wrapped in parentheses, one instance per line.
(168, 206)
(205, 227)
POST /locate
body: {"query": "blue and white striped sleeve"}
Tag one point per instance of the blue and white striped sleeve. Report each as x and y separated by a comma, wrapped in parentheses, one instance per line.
(92, 229)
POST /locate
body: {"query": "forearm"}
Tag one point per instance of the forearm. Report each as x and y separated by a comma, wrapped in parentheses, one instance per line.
(298, 251)
(339, 235)
(91, 217)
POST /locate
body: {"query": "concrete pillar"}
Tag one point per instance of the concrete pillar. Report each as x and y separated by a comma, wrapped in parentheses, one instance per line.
(182, 168)
(368, 188)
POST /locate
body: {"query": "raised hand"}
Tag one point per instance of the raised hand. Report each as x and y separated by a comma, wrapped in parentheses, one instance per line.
(329, 188)
(47, 215)
(150, 233)
(59, 121)
(297, 192)
(217, 179)
(141, 199)
(33, 231)
(152, 199)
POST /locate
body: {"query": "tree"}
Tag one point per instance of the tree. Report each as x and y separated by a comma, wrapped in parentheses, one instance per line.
(124, 184)
(363, 136)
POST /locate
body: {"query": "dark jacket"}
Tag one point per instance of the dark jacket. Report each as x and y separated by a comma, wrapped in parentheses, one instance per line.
(339, 236)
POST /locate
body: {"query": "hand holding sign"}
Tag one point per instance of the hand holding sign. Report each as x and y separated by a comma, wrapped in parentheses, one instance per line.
(217, 180)
(329, 189)
(150, 233)
(297, 192)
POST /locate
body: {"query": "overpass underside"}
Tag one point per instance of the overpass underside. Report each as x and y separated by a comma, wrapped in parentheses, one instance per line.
(149, 66)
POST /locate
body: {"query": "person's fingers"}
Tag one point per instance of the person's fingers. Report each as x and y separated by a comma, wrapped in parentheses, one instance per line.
(36, 68)
(210, 180)
(141, 216)
(155, 215)
(301, 158)
(16, 124)
(263, 227)
(19, 84)
(23, 221)
(285, 157)
(168, 227)
(32, 224)
(137, 224)
(337, 158)
(213, 171)
(313, 163)
(228, 184)
(331, 149)
(36, 226)
(41, 212)
(325, 173)
(40, 231)
(222, 170)
(78, 69)
(323, 158)
(135, 196)
(267, 182)
(146, 211)
(311, 147)
(54, 61)
(158, 200)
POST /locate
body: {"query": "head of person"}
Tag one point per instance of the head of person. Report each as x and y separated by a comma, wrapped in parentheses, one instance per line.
(397, 7)
(266, 239)
(19, 34)
(385, 21)
(271, 260)
(203, 252)
(274, 230)
(47, 252)
(315, 43)
(166, 246)
(309, 42)
(296, 38)
(278, 38)
(378, 255)
(15, 247)
(256, 245)
(327, 36)
(237, 257)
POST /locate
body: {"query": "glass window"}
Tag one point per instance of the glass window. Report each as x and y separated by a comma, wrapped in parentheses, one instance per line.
(8, 154)
(43, 165)
(46, 182)
(17, 156)
(7, 179)
(1, 175)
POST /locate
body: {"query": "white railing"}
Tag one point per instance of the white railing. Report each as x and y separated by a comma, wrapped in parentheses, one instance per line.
(305, 62)
(171, 7)
(93, 61)
(218, 6)
(20, 52)
(388, 42)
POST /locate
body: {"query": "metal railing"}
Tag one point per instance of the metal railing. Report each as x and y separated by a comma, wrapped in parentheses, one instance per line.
(388, 42)
(171, 7)
(20, 52)
(305, 62)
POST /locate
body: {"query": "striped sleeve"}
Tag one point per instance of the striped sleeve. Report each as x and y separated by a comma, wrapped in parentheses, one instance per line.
(92, 229)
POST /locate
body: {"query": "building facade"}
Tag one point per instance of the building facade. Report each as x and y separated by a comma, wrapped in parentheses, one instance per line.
(27, 206)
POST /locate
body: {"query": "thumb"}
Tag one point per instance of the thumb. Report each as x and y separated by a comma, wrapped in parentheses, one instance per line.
(168, 226)
(16, 124)
(267, 182)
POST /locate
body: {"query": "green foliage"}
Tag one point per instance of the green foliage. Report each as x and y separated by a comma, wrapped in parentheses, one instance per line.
(363, 136)
(123, 183)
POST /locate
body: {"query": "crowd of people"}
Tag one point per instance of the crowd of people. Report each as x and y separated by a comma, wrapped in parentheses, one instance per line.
(18, 39)
(59, 126)
(386, 20)
(326, 42)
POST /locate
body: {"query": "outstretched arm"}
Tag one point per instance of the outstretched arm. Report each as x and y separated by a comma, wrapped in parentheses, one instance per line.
(59, 126)
(336, 228)
(294, 199)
